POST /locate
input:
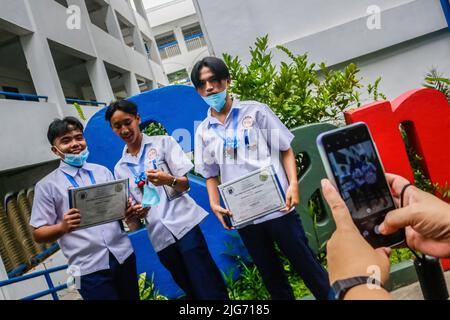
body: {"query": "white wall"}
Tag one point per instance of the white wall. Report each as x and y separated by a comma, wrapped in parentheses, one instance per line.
(335, 31)
(163, 11)
(25, 124)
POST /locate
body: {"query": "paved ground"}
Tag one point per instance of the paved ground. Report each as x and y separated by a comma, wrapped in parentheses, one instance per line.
(413, 291)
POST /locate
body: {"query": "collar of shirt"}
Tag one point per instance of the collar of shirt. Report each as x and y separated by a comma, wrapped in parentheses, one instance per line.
(71, 170)
(126, 157)
(213, 121)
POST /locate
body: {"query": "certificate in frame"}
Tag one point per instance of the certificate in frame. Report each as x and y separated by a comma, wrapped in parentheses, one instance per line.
(253, 196)
(100, 203)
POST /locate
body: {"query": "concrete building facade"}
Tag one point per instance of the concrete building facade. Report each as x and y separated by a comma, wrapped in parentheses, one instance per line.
(178, 35)
(399, 40)
(57, 52)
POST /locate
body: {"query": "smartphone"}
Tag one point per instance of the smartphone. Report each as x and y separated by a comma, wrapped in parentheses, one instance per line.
(353, 165)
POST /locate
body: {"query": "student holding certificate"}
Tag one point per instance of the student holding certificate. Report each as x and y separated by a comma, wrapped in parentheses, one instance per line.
(102, 255)
(247, 147)
(156, 167)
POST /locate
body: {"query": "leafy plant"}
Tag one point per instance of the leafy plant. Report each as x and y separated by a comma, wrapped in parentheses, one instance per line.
(147, 289)
(155, 129)
(299, 92)
(436, 80)
(79, 110)
(400, 255)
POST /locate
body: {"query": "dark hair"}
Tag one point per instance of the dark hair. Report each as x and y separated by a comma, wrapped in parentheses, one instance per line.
(217, 66)
(121, 105)
(59, 127)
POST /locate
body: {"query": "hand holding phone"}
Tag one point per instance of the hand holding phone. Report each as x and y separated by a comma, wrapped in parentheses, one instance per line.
(353, 166)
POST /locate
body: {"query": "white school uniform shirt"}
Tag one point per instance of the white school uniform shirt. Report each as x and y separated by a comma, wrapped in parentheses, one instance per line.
(167, 221)
(87, 250)
(266, 137)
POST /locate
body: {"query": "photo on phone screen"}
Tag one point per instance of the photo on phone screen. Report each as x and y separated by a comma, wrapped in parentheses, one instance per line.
(352, 163)
(361, 179)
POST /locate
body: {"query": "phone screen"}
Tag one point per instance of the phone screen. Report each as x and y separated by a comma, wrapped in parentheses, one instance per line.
(360, 179)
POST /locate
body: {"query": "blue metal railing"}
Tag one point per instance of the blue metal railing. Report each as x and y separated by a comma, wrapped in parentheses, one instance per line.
(85, 102)
(198, 35)
(446, 7)
(34, 261)
(23, 96)
(168, 44)
(46, 273)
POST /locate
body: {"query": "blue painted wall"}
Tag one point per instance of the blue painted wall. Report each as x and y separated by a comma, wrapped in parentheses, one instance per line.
(179, 109)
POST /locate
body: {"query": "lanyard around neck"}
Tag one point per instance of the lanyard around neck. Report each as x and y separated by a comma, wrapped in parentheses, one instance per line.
(229, 142)
(140, 176)
(75, 184)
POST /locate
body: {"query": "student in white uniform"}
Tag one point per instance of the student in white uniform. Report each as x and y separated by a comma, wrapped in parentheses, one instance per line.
(235, 139)
(173, 225)
(102, 255)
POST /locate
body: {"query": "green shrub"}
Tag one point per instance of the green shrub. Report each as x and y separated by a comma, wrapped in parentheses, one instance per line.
(299, 92)
(147, 289)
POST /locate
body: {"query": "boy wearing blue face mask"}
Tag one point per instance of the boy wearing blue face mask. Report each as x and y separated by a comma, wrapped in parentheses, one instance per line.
(102, 255)
(236, 139)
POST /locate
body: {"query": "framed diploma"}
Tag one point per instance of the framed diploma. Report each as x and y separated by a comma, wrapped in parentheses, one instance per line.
(100, 203)
(171, 193)
(253, 196)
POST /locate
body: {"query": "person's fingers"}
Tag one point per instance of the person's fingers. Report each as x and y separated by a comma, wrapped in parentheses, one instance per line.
(338, 207)
(224, 211)
(384, 251)
(395, 220)
(73, 216)
(396, 183)
(222, 221)
(288, 201)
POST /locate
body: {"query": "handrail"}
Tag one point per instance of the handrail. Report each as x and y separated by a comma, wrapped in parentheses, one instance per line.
(46, 273)
(168, 45)
(198, 35)
(85, 102)
(34, 261)
(24, 96)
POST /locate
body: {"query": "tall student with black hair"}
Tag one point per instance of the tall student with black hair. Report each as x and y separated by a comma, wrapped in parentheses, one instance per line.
(102, 255)
(235, 139)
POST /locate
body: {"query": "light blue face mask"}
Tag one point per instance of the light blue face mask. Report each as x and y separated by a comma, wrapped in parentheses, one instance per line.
(150, 196)
(217, 101)
(76, 160)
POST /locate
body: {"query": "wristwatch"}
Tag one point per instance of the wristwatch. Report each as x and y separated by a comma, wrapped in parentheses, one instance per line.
(341, 287)
(174, 182)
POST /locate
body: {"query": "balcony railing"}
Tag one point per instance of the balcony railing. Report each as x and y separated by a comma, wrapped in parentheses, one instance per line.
(86, 102)
(169, 50)
(195, 42)
(23, 96)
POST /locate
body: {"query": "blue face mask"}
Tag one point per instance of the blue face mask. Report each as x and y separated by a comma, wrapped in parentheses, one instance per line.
(150, 196)
(217, 101)
(76, 160)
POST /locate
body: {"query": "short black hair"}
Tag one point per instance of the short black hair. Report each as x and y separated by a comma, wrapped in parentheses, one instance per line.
(121, 105)
(60, 127)
(217, 66)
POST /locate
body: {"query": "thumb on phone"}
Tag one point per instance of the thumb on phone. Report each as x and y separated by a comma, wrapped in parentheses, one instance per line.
(339, 209)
